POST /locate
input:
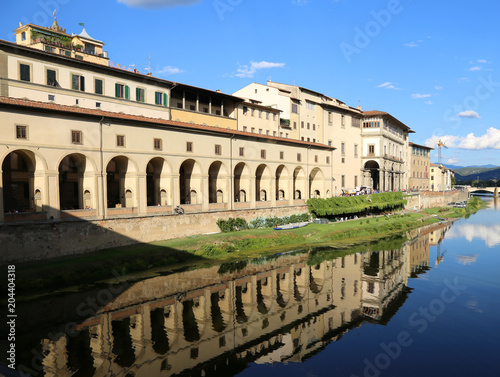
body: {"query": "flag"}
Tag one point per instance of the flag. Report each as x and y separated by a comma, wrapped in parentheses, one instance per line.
(81, 24)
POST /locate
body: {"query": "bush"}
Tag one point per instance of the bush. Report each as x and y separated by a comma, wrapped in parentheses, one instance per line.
(272, 222)
(232, 224)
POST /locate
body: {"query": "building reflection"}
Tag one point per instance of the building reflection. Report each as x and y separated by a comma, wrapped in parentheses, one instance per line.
(206, 323)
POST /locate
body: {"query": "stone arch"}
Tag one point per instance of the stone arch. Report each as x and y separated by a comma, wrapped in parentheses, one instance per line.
(281, 182)
(121, 175)
(20, 181)
(299, 183)
(217, 182)
(372, 178)
(158, 182)
(242, 179)
(262, 183)
(74, 181)
(190, 182)
(316, 183)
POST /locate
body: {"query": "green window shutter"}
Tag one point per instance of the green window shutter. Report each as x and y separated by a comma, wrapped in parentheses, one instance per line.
(137, 94)
(82, 83)
(74, 82)
(127, 92)
(117, 90)
(164, 99)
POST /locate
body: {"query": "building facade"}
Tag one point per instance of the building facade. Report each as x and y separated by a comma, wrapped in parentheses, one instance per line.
(420, 162)
(441, 178)
(83, 139)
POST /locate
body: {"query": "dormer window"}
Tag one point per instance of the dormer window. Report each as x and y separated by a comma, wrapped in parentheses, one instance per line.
(23, 36)
(89, 49)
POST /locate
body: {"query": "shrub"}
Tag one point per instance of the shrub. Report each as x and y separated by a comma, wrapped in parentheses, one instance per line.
(232, 224)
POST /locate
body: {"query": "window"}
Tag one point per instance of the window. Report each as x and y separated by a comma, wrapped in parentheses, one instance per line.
(122, 91)
(98, 87)
(120, 140)
(299, 157)
(281, 134)
(267, 114)
(242, 152)
(282, 155)
(78, 82)
(244, 128)
(218, 149)
(267, 132)
(51, 77)
(302, 138)
(260, 131)
(260, 113)
(327, 159)
(295, 108)
(329, 143)
(274, 133)
(52, 97)
(316, 158)
(24, 72)
(274, 116)
(161, 98)
(21, 132)
(330, 118)
(342, 180)
(309, 105)
(245, 110)
(343, 160)
(23, 36)
(343, 121)
(314, 127)
(371, 150)
(262, 153)
(76, 137)
(189, 146)
(252, 130)
(302, 124)
(252, 112)
(342, 149)
(355, 150)
(294, 125)
(139, 94)
(157, 144)
(308, 126)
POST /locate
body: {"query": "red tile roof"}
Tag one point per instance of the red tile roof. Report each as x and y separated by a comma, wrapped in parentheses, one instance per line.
(138, 118)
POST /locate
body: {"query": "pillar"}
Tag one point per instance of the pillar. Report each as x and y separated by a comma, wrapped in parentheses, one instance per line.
(273, 191)
(2, 219)
(175, 190)
(205, 193)
(51, 194)
(142, 193)
(252, 192)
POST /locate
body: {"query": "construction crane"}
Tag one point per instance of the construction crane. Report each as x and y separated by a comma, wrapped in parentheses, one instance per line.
(440, 146)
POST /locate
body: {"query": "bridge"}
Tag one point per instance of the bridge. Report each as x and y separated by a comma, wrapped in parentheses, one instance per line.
(483, 190)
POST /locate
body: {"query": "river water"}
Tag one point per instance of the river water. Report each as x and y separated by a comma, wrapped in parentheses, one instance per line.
(425, 306)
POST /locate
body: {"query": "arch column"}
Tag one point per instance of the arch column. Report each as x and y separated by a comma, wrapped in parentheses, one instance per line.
(2, 218)
(205, 192)
(252, 193)
(102, 189)
(142, 193)
(175, 190)
(273, 191)
(229, 192)
(291, 192)
(51, 182)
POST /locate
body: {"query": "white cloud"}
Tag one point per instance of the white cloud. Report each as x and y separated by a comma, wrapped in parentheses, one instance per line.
(411, 44)
(438, 87)
(419, 96)
(428, 102)
(170, 70)
(157, 3)
(452, 161)
(250, 70)
(469, 114)
(301, 2)
(472, 69)
(387, 85)
(490, 234)
(482, 61)
(490, 140)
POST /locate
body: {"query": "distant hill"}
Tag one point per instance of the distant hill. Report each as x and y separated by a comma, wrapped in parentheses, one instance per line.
(455, 167)
(466, 174)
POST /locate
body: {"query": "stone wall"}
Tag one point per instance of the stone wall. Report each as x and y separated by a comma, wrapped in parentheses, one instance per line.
(430, 199)
(44, 240)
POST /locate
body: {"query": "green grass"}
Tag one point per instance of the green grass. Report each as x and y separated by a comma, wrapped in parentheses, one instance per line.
(160, 257)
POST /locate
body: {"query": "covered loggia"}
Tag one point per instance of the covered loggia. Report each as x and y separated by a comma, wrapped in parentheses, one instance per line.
(373, 169)
(74, 191)
(241, 182)
(262, 183)
(121, 182)
(217, 182)
(190, 182)
(299, 183)
(158, 176)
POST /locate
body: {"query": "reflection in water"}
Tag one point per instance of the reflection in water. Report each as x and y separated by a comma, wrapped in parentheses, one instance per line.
(489, 234)
(207, 322)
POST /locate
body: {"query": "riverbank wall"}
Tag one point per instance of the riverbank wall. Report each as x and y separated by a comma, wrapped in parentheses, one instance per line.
(430, 199)
(45, 240)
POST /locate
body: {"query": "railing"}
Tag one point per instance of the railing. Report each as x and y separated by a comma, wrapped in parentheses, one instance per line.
(66, 46)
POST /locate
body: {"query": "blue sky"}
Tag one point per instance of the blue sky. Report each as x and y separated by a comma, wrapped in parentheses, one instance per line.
(431, 64)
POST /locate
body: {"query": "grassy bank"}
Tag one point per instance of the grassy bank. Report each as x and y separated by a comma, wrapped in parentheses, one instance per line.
(165, 256)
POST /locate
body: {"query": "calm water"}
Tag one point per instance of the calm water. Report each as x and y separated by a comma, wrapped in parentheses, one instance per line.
(428, 306)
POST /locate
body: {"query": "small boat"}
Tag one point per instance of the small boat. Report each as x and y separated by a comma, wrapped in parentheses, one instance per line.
(292, 226)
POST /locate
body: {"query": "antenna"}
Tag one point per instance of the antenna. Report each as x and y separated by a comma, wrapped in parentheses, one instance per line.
(149, 65)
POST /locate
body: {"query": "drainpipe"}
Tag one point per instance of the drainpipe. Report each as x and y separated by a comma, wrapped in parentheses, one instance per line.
(231, 174)
(103, 201)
